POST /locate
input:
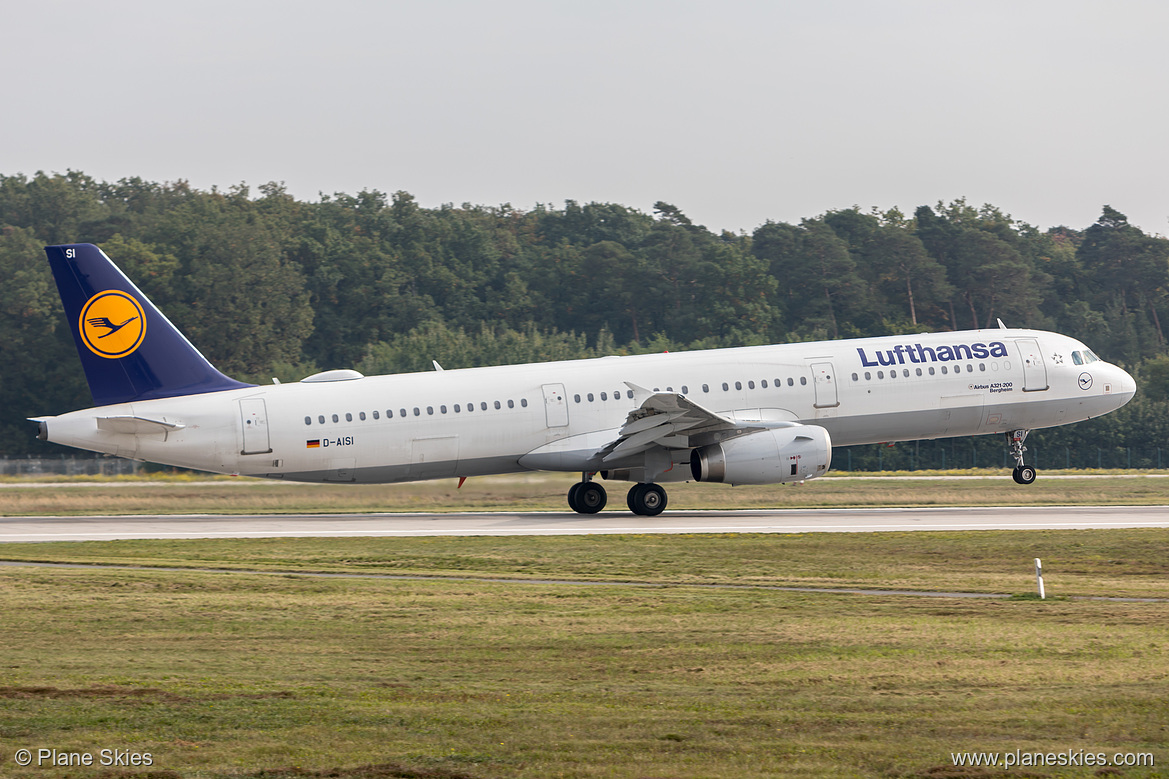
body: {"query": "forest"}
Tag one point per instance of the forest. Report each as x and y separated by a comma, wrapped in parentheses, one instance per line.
(268, 286)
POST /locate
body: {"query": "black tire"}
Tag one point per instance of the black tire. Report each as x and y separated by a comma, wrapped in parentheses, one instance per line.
(572, 492)
(648, 500)
(633, 496)
(1024, 474)
(590, 497)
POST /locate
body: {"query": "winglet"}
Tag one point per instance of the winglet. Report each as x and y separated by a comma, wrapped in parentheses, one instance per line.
(129, 350)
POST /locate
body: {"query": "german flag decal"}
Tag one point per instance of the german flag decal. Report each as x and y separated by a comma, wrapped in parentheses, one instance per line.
(313, 444)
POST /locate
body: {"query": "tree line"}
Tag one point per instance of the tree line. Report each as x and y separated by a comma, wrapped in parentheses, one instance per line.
(267, 285)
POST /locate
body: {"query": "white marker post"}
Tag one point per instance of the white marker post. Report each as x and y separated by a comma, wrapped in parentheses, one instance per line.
(1039, 578)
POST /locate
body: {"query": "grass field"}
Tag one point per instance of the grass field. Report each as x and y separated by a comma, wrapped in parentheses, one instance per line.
(547, 492)
(264, 676)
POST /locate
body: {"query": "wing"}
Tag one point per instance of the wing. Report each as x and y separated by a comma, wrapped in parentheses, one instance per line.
(672, 421)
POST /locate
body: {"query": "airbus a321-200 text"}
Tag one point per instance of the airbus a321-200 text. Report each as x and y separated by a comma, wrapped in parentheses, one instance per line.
(751, 415)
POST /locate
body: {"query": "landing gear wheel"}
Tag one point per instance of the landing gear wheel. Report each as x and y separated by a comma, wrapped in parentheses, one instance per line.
(648, 500)
(572, 493)
(1024, 474)
(589, 498)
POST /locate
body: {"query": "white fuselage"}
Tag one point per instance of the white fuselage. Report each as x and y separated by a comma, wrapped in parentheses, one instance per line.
(557, 415)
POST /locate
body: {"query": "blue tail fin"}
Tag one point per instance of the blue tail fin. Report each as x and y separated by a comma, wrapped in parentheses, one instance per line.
(129, 350)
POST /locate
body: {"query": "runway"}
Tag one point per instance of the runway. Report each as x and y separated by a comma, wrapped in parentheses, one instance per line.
(108, 528)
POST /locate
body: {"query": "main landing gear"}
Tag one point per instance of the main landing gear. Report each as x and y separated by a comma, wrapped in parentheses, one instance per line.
(1023, 474)
(588, 497)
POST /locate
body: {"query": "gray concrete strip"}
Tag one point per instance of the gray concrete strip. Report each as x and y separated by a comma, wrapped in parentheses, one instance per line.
(104, 528)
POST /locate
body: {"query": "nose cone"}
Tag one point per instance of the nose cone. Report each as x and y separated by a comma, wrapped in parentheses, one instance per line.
(1124, 385)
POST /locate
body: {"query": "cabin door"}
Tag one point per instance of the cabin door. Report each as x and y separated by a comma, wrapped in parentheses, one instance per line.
(555, 405)
(1034, 371)
(824, 379)
(254, 418)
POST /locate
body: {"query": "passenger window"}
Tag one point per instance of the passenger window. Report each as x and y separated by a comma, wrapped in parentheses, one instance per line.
(604, 396)
(685, 390)
(497, 405)
(803, 380)
(726, 387)
(336, 418)
(308, 420)
(706, 388)
(524, 402)
(442, 409)
(417, 411)
(764, 382)
(361, 416)
(957, 369)
(629, 393)
(919, 371)
(483, 406)
(576, 398)
(905, 372)
(931, 370)
(348, 417)
(855, 377)
(982, 367)
(738, 385)
(943, 370)
(750, 385)
(321, 419)
(880, 374)
(790, 382)
(868, 376)
(401, 412)
(458, 408)
(511, 404)
(430, 410)
(590, 397)
(376, 416)
(470, 407)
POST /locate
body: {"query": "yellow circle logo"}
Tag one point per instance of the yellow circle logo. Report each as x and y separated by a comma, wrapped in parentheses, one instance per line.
(112, 324)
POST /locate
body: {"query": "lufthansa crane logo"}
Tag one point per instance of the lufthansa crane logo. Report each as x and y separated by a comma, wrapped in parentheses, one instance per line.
(112, 324)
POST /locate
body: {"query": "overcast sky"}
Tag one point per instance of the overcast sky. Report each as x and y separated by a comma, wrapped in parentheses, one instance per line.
(736, 112)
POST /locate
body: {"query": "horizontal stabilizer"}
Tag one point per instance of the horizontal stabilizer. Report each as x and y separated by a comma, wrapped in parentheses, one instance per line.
(136, 425)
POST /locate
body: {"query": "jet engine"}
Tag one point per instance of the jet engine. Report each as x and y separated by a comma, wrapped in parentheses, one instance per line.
(772, 456)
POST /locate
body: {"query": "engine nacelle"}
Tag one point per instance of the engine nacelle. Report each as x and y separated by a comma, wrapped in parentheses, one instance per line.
(768, 457)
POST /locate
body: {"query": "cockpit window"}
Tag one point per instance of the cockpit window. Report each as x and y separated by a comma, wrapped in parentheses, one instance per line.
(1077, 358)
(1091, 356)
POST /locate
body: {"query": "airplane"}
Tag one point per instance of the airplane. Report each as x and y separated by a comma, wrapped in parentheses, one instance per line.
(748, 415)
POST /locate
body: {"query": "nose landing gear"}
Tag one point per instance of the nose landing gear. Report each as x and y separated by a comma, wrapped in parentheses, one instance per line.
(1023, 474)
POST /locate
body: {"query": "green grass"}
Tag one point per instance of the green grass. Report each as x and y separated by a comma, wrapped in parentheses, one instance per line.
(533, 492)
(243, 675)
(1128, 563)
